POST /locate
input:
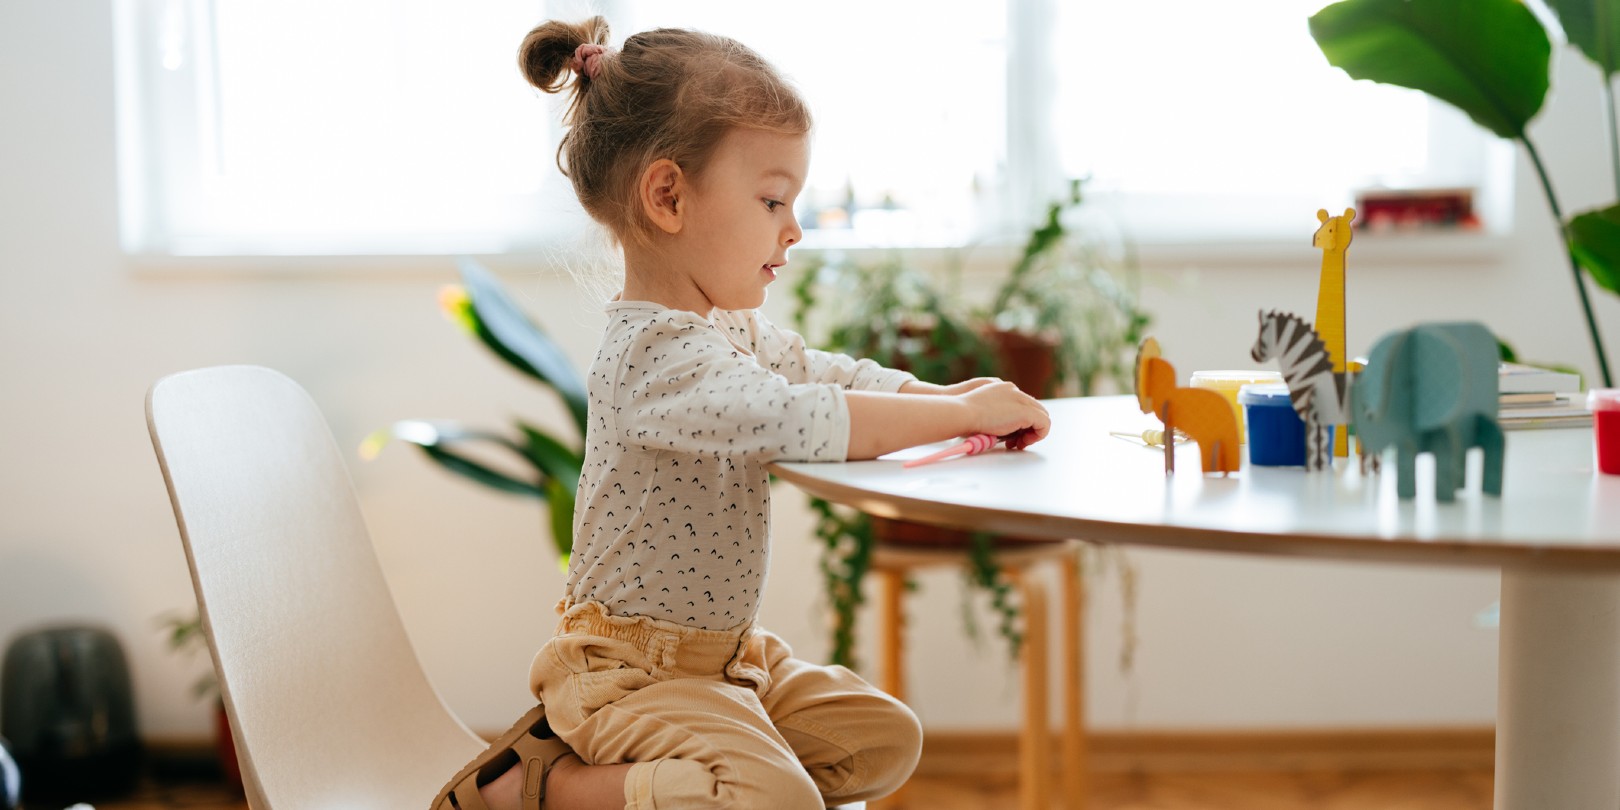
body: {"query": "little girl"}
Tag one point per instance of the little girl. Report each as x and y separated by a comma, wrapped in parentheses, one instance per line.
(659, 690)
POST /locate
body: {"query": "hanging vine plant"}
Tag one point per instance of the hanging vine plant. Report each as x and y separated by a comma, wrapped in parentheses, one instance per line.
(1063, 296)
(893, 314)
(984, 572)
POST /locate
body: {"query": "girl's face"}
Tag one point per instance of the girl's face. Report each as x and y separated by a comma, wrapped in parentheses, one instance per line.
(740, 215)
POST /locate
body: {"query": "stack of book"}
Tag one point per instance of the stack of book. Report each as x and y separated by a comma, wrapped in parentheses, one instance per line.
(1533, 397)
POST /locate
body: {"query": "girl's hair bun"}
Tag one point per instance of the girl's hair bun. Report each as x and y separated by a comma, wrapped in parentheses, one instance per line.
(669, 93)
(543, 56)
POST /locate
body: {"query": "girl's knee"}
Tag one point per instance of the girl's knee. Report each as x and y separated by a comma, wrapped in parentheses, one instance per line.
(892, 755)
(874, 760)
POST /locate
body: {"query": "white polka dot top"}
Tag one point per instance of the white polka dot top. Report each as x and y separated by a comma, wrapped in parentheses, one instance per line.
(673, 515)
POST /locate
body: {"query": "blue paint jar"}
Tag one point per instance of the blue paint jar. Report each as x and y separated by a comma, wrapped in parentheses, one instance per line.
(1276, 433)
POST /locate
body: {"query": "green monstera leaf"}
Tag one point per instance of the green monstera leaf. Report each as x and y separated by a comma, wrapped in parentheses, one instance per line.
(1488, 58)
(1595, 240)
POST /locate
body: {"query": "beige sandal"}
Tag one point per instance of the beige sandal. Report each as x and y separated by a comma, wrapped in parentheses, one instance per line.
(529, 742)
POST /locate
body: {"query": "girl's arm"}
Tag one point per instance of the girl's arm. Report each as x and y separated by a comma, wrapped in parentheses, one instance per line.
(784, 351)
(883, 423)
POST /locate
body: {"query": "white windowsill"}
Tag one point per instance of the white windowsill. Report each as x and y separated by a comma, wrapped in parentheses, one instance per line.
(1397, 249)
(1430, 249)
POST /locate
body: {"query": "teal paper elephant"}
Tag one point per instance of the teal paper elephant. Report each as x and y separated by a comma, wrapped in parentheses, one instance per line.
(1432, 389)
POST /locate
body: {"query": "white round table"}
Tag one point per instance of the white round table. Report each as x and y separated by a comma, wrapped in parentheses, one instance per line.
(1554, 534)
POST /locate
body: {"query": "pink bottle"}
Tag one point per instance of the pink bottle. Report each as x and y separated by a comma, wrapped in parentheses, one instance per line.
(1604, 403)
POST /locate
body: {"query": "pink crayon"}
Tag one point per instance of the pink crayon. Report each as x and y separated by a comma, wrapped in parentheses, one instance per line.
(972, 446)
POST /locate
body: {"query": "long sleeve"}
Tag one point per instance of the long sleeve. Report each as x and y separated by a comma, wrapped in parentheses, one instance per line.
(784, 351)
(685, 388)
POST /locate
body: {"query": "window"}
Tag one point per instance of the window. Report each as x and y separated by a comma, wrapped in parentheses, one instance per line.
(366, 126)
(1206, 121)
(909, 100)
(402, 126)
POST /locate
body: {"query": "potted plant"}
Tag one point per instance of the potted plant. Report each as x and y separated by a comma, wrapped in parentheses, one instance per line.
(550, 465)
(1066, 314)
(889, 312)
(1064, 319)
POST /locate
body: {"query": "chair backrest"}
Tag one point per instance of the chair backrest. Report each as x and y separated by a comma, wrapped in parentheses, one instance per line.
(327, 700)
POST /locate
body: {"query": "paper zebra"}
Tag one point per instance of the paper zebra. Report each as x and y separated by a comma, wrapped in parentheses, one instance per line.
(1321, 396)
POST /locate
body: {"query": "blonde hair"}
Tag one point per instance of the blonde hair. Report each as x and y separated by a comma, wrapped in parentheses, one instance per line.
(667, 93)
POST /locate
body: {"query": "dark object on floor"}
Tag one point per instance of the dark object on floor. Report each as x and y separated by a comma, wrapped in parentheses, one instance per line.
(68, 710)
(10, 779)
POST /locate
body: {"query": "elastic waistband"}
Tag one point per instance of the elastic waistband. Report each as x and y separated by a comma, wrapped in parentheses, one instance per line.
(667, 645)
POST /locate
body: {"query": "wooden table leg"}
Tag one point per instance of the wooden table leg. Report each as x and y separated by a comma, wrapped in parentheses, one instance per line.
(1034, 750)
(1076, 767)
(892, 632)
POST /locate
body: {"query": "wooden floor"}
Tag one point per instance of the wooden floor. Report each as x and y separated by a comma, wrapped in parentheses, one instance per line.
(1460, 789)
(1443, 789)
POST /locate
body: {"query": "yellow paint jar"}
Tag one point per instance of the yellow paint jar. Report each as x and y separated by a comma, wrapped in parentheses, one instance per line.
(1227, 383)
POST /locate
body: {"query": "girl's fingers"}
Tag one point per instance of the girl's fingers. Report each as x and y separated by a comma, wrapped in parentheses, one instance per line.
(1024, 437)
(1018, 439)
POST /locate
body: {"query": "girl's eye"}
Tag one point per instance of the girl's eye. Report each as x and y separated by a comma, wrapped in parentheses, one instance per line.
(772, 205)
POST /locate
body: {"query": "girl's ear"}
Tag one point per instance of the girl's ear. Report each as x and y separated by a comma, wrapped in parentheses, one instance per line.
(659, 192)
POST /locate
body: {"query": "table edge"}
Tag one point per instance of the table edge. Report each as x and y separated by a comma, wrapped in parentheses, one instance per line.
(1448, 553)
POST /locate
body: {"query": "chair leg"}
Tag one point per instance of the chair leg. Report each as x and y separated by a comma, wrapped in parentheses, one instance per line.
(1034, 750)
(1076, 768)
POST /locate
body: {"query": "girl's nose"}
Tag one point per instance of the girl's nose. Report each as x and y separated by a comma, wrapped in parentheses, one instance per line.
(792, 234)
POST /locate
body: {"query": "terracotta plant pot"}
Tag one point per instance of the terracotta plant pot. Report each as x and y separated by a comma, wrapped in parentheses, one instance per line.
(887, 532)
(1025, 360)
(905, 533)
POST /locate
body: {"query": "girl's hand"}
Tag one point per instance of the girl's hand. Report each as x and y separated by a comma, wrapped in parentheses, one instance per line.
(1000, 409)
(955, 389)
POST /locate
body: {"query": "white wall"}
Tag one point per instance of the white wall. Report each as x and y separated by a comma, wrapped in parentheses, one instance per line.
(86, 533)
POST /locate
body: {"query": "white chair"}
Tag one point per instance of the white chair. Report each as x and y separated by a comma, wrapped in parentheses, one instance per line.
(328, 703)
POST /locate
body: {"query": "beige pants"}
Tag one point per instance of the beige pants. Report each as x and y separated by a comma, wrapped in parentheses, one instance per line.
(718, 718)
